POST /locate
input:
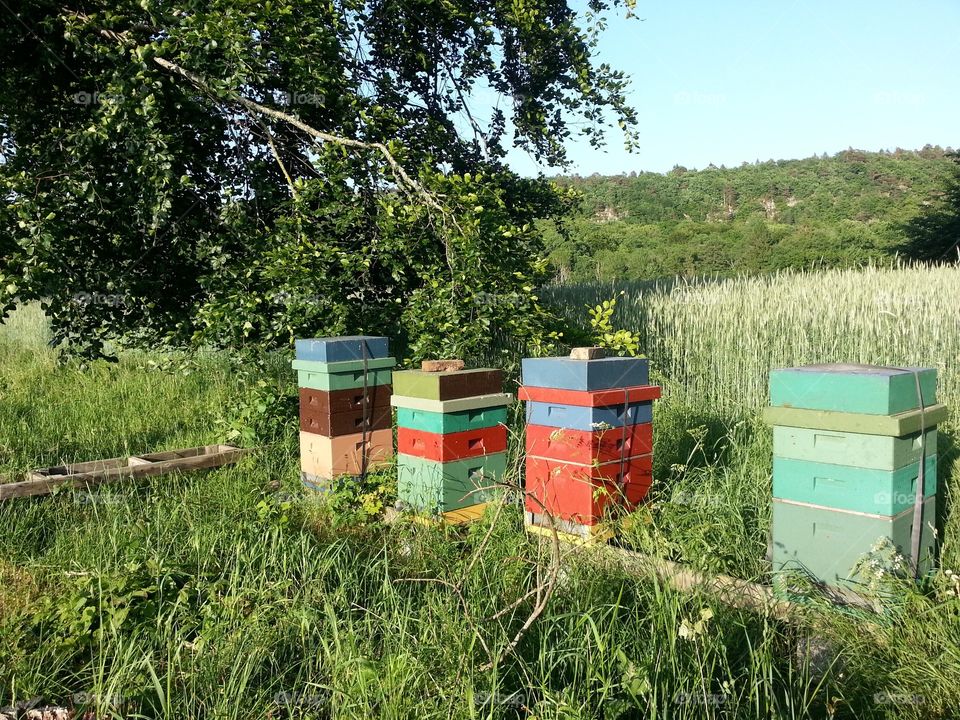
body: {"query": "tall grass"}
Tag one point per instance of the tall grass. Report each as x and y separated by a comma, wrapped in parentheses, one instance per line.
(715, 342)
(231, 595)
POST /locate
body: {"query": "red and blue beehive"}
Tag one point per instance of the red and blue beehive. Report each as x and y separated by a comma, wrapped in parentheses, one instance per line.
(451, 439)
(345, 415)
(589, 440)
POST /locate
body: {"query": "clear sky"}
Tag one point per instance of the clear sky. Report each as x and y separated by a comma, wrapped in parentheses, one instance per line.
(728, 82)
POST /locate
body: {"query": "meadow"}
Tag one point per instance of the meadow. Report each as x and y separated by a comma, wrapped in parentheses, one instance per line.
(230, 594)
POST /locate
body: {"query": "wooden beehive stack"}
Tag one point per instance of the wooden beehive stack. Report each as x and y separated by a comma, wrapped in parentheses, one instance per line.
(451, 438)
(589, 445)
(848, 442)
(345, 416)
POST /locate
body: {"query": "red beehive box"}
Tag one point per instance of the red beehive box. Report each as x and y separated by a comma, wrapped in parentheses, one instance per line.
(590, 398)
(452, 446)
(588, 446)
(584, 494)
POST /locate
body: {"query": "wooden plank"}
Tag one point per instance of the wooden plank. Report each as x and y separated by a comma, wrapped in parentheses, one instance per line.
(187, 460)
(729, 590)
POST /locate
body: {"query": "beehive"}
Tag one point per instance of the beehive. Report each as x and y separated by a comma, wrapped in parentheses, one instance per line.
(451, 440)
(850, 445)
(345, 414)
(589, 439)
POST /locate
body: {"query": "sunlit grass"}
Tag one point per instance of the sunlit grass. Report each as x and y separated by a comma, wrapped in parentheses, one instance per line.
(231, 595)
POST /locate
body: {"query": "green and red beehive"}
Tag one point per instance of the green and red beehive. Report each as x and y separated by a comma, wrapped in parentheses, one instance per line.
(850, 444)
(345, 416)
(451, 439)
(589, 439)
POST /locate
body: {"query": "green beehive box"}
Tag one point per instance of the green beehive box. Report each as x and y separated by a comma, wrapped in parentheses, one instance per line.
(447, 385)
(331, 368)
(432, 486)
(877, 452)
(349, 380)
(827, 544)
(905, 423)
(865, 389)
(843, 487)
(443, 423)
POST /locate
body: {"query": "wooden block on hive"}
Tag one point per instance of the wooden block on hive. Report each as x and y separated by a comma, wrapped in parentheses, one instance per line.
(344, 455)
(342, 348)
(452, 446)
(601, 374)
(588, 353)
(452, 422)
(588, 446)
(843, 487)
(850, 388)
(450, 385)
(441, 365)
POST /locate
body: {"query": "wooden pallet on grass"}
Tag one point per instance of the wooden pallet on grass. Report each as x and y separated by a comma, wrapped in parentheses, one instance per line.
(44, 481)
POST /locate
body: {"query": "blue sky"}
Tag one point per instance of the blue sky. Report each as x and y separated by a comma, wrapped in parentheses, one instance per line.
(744, 81)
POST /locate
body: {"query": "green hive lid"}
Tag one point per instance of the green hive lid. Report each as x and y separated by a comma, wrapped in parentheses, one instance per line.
(897, 425)
(851, 388)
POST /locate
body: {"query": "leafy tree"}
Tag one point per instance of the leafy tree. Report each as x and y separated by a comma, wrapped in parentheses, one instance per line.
(227, 173)
(934, 236)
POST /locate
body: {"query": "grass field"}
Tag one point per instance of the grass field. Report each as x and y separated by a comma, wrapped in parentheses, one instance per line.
(230, 595)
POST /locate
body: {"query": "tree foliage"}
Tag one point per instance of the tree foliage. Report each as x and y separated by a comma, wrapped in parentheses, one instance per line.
(934, 235)
(822, 211)
(230, 173)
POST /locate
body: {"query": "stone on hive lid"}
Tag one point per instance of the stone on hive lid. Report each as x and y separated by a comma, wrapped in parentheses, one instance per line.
(441, 365)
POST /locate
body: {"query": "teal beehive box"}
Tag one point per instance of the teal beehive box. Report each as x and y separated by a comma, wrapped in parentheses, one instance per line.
(850, 388)
(828, 544)
(434, 486)
(877, 452)
(846, 487)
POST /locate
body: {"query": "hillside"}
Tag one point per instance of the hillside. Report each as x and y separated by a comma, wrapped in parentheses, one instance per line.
(834, 211)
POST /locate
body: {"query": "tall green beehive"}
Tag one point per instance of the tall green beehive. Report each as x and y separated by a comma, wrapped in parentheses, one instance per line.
(850, 445)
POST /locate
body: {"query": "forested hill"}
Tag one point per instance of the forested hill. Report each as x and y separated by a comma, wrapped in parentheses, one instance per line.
(838, 210)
